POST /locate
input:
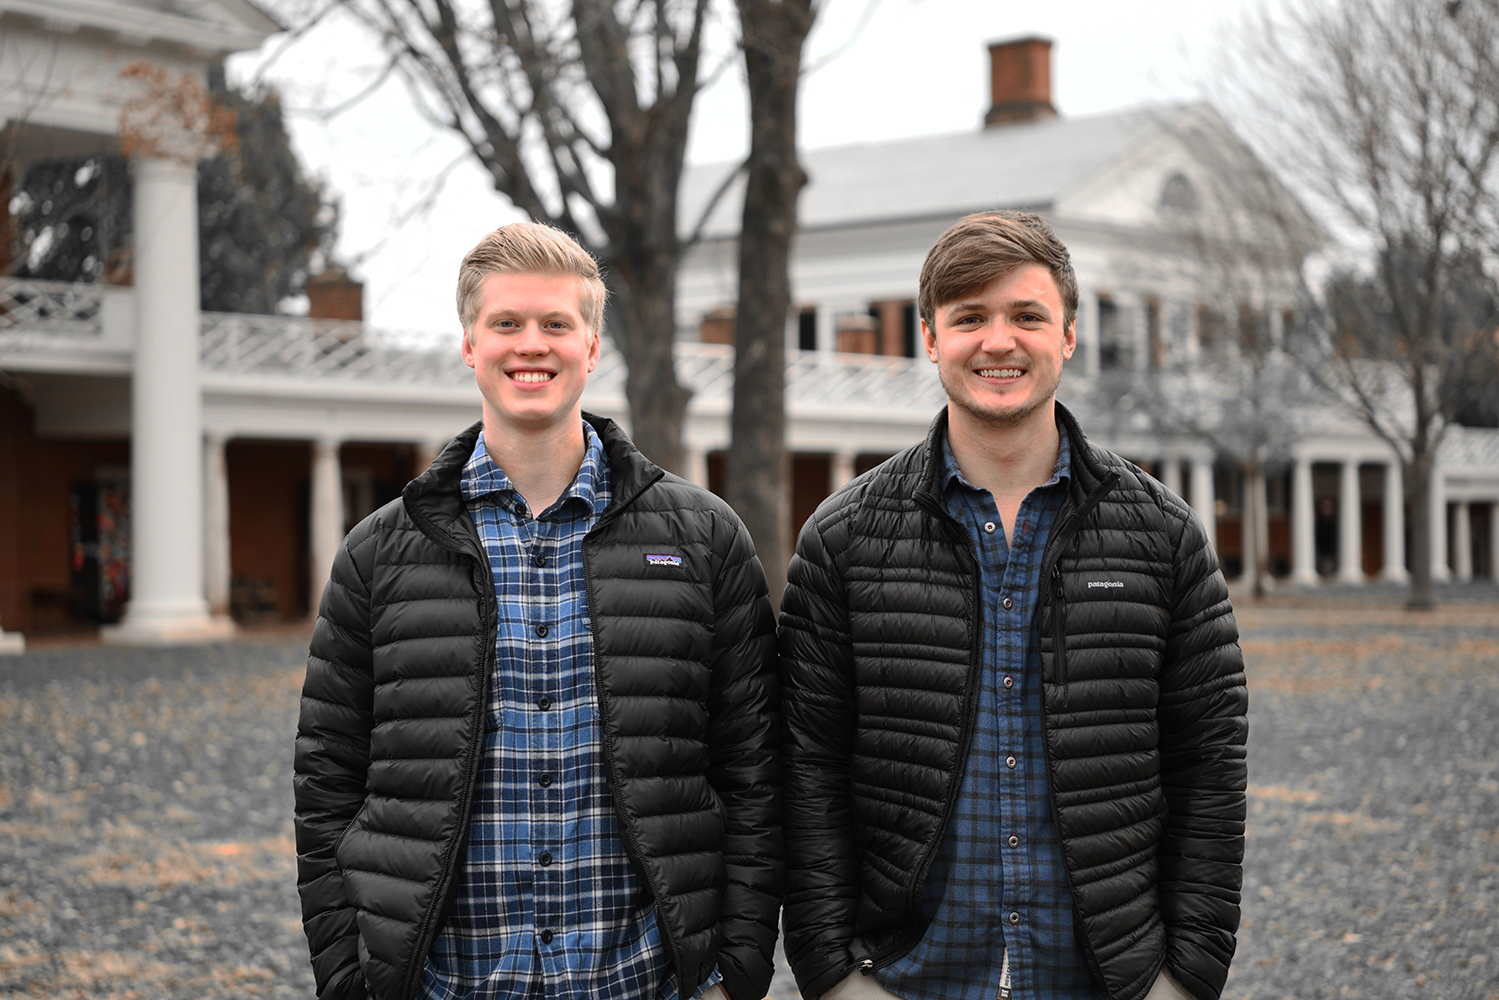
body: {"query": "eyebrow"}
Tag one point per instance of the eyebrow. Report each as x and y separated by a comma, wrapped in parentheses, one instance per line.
(1035, 305)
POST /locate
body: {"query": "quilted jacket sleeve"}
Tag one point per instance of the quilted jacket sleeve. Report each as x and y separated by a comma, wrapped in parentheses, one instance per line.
(744, 767)
(1203, 728)
(817, 715)
(332, 757)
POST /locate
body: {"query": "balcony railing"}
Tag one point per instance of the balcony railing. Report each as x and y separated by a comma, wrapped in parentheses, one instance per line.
(40, 309)
(298, 347)
(43, 315)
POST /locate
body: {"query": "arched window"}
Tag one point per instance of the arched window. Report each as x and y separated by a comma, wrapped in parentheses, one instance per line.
(1178, 194)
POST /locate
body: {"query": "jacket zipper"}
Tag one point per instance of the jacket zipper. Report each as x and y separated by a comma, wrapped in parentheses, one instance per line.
(965, 732)
(1053, 555)
(628, 831)
(489, 615)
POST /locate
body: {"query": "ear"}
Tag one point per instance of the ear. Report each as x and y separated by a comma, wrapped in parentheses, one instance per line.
(929, 340)
(1069, 340)
(595, 349)
(468, 347)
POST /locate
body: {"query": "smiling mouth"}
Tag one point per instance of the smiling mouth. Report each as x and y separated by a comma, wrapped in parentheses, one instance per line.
(1001, 372)
(531, 377)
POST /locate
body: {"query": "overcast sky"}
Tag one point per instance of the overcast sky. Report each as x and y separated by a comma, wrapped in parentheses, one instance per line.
(893, 68)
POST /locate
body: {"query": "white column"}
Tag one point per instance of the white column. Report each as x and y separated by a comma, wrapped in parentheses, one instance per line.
(11, 642)
(840, 470)
(1350, 526)
(1462, 541)
(827, 333)
(327, 512)
(216, 568)
(1171, 474)
(1088, 333)
(1439, 567)
(1303, 524)
(697, 466)
(1204, 501)
(166, 447)
(1394, 524)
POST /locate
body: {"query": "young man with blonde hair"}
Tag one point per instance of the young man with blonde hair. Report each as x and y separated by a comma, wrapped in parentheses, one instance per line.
(1013, 696)
(537, 753)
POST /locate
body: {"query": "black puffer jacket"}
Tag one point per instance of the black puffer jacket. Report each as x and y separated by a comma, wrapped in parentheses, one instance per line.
(1145, 720)
(392, 718)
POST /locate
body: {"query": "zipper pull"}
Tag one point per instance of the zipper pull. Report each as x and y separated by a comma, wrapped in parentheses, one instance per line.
(1056, 575)
(866, 967)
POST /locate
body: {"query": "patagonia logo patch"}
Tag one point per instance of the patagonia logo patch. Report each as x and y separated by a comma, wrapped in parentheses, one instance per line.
(652, 559)
(1106, 583)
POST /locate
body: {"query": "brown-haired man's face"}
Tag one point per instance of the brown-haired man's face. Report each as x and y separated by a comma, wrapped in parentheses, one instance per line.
(530, 349)
(999, 351)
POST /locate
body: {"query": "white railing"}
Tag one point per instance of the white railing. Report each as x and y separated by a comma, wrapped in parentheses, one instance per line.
(298, 347)
(35, 314)
(38, 309)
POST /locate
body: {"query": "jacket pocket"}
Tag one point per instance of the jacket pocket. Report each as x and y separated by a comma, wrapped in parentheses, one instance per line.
(339, 843)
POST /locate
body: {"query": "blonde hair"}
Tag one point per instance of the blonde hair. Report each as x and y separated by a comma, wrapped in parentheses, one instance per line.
(985, 246)
(530, 248)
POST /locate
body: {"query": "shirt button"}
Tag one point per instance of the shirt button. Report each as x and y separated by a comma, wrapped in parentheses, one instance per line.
(545, 781)
(989, 526)
(546, 937)
(540, 559)
(1009, 681)
(1008, 603)
(545, 859)
(1014, 917)
(545, 703)
(1010, 761)
(541, 630)
(520, 510)
(1014, 840)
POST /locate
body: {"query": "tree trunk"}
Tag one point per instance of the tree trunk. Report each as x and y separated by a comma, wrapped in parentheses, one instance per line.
(773, 34)
(1256, 545)
(1418, 482)
(644, 330)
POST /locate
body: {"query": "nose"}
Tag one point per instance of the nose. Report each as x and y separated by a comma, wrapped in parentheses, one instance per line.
(531, 340)
(999, 336)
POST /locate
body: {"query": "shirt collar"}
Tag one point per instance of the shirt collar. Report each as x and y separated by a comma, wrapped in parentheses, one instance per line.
(1062, 471)
(483, 476)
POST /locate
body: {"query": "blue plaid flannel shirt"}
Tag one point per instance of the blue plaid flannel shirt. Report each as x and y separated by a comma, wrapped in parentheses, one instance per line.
(547, 902)
(998, 877)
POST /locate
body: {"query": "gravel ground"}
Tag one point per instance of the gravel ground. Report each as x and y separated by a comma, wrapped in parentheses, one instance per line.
(146, 841)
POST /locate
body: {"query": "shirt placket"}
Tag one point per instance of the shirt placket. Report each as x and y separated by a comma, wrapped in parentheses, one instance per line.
(547, 785)
(1018, 864)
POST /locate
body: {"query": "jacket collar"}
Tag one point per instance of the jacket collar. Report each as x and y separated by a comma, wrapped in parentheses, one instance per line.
(435, 497)
(1088, 470)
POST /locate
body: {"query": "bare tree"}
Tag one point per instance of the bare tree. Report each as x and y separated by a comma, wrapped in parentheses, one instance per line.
(1239, 241)
(1387, 113)
(773, 32)
(579, 113)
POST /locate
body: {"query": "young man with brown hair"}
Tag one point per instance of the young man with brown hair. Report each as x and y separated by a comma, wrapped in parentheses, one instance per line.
(537, 753)
(1012, 693)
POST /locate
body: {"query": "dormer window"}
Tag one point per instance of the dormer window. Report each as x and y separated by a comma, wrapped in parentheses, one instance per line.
(1178, 194)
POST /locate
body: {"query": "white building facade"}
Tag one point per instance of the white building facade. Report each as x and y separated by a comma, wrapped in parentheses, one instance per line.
(198, 465)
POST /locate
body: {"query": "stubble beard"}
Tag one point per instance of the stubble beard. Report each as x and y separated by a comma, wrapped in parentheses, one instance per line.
(999, 418)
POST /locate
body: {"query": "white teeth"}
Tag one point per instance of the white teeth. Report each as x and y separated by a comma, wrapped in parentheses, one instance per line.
(1001, 372)
(532, 376)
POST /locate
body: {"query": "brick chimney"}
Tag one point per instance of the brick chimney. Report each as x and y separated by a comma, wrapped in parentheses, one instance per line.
(332, 294)
(1020, 81)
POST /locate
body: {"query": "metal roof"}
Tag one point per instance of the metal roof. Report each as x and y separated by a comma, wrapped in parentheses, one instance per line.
(1032, 165)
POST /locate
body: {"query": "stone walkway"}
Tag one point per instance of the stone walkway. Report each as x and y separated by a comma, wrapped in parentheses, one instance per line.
(146, 844)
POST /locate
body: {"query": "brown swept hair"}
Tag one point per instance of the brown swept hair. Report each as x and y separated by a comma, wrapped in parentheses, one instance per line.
(531, 248)
(983, 247)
